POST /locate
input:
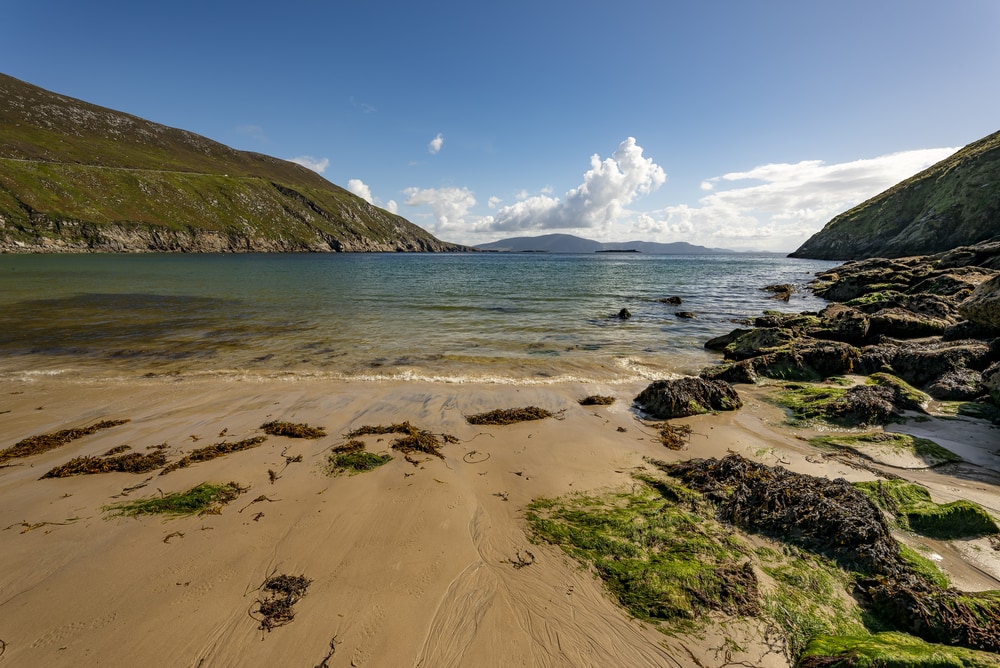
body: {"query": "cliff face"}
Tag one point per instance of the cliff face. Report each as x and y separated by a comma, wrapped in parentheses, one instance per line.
(953, 203)
(75, 177)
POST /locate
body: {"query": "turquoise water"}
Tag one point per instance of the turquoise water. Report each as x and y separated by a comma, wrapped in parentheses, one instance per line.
(517, 318)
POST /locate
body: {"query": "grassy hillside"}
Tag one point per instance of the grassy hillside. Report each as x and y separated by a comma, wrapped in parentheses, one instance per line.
(953, 203)
(75, 176)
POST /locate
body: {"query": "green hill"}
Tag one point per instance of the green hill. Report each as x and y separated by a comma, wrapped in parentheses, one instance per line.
(953, 203)
(78, 177)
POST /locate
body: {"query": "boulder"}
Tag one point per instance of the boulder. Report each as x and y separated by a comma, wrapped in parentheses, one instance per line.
(991, 382)
(674, 300)
(624, 314)
(735, 372)
(686, 314)
(665, 399)
(842, 323)
(983, 305)
(957, 385)
(901, 323)
(759, 342)
(720, 342)
(808, 359)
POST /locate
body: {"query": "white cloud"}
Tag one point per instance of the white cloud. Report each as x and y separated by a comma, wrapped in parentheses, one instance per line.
(778, 206)
(449, 206)
(359, 188)
(493, 202)
(434, 147)
(318, 165)
(608, 187)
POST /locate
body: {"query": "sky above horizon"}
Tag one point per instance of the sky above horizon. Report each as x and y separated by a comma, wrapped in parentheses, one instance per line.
(729, 124)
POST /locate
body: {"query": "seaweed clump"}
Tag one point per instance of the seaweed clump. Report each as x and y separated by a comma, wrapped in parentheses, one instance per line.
(131, 462)
(912, 507)
(889, 649)
(35, 445)
(410, 439)
(830, 517)
(204, 499)
(597, 400)
(505, 416)
(675, 437)
(834, 518)
(213, 451)
(351, 458)
(292, 430)
(280, 593)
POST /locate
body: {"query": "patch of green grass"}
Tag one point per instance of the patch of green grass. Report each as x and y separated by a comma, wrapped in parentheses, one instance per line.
(356, 461)
(807, 403)
(907, 395)
(664, 557)
(875, 297)
(889, 650)
(206, 498)
(926, 449)
(913, 508)
(661, 562)
(923, 567)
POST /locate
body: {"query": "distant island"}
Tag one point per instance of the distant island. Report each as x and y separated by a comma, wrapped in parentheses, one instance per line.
(568, 243)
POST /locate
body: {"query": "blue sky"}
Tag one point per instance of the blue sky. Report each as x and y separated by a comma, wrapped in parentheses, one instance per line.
(735, 124)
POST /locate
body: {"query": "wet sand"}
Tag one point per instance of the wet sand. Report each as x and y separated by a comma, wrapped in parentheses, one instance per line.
(410, 565)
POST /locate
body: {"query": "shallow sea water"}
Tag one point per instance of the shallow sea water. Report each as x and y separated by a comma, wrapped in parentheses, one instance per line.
(478, 317)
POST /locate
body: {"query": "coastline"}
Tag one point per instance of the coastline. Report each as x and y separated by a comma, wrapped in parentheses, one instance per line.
(410, 565)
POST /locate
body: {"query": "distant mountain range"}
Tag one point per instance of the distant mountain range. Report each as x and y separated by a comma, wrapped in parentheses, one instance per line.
(567, 243)
(76, 177)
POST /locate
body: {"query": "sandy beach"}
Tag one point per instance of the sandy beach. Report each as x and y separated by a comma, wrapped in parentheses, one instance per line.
(424, 564)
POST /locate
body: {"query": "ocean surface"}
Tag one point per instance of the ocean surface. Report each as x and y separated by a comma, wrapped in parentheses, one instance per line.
(478, 317)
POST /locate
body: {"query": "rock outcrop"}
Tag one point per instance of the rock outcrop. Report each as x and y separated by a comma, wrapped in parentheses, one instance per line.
(75, 177)
(665, 399)
(953, 203)
(930, 321)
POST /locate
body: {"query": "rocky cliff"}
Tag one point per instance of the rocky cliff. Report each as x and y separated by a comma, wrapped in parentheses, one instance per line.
(953, 203)
(76, 177)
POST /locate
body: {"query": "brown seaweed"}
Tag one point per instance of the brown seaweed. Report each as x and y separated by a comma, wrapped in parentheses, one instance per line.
(279, 593)
(505, 416)
(132, 462)
(34, 445)
(212, 452)
(411, 439)
(675, 437)
(597, 400)
(292, 430)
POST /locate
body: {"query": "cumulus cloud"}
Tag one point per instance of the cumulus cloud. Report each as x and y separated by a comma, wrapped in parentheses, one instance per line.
(779, 205)
(359, 188)
(608, 187)
(493, 202)
(318, 165)
(434, 147)
(449, 206)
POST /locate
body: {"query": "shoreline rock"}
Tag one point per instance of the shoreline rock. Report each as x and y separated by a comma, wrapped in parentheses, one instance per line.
(932, 321)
